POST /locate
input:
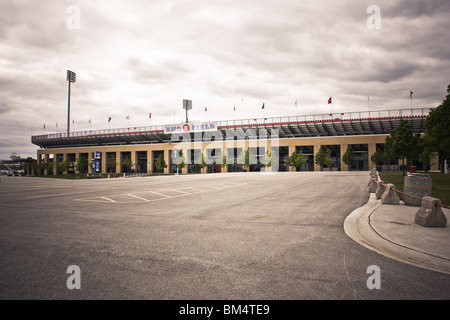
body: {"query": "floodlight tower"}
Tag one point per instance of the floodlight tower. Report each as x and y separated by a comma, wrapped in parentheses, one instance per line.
(71, 77)
(187, 105)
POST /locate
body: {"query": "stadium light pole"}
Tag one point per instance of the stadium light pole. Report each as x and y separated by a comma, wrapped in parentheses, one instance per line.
(71, 77)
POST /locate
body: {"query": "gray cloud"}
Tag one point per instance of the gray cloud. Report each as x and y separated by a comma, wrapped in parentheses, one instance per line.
(139, 57)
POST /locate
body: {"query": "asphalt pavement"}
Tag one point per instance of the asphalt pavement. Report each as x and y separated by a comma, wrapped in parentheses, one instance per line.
(287, 236)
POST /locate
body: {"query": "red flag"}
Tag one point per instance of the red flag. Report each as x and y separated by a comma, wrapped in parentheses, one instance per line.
(410, 93)
(262, 106)
(109, 120)
(329, 100)
(150, 115)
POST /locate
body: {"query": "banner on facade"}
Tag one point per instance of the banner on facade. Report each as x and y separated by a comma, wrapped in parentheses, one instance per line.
(190, 127)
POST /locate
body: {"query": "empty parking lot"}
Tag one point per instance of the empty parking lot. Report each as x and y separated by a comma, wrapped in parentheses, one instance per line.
(217, 236)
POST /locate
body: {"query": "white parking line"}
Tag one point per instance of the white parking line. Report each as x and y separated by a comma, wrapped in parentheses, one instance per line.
(178, 191)
(108, 199)
(161, 194)
(55, 195)
(197, 189)
(132, 195)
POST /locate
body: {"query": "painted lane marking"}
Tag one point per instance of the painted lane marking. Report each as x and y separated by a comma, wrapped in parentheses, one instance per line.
(137, 197)
(108, 199)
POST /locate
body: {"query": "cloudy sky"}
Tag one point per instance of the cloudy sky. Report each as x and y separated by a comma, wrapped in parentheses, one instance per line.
(139, 57)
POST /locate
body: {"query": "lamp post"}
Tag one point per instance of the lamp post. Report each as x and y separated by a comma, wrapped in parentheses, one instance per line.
(71, 77)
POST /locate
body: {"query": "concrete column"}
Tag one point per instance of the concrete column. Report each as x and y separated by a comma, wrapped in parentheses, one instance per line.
(291, 151)
(46, 156)
(89, 161)
(167, 159)
(64, 159)
(133, 161)
(372, 149)
(316, 149)
(55, 164)
(103, 162)
(118, 162)
(344, 147)
(150, 161)
(77, 158)
(224, 168)
(186, 161)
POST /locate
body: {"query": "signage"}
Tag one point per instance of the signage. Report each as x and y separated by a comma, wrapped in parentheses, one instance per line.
(187, 104)
(98, 155)
(190, 127)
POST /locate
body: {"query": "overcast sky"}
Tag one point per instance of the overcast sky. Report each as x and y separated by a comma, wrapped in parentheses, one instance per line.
(140, 57)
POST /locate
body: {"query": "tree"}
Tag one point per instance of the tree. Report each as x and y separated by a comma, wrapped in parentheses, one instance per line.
(245, 158)
(349, 157)
(323, 158)
(296, 159)
(221, 159)
(424, 152)
(271, 159)
(160, 163)
(50, 167)
(127, 163)
(63, 166)
(402, 143)
(82, 165)
(378, 157)
(437, 133)
(111, 164)
(180, 162)
(200, 161)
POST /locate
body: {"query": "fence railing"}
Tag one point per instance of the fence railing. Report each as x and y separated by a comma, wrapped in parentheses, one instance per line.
(407, 194)
(158, 129)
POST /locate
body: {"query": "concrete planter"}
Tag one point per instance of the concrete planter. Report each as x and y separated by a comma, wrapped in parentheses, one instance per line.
(418, 185)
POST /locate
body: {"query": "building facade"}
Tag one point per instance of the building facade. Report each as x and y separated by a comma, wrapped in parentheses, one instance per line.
(137, 149)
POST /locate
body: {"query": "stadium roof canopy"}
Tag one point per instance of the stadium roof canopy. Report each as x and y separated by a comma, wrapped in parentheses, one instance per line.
(335, 124)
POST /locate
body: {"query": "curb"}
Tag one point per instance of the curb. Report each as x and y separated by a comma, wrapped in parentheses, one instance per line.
(358, 227)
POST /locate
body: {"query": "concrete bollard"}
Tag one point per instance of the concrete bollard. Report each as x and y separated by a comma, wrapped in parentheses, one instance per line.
(430, 215)
(390, 196)
(372, 186)
(380, 189)
(418, 185)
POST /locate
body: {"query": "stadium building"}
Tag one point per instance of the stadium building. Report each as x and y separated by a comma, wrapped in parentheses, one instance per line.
(136, 149)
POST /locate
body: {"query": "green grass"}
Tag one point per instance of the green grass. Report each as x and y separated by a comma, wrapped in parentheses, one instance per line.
(440, 183)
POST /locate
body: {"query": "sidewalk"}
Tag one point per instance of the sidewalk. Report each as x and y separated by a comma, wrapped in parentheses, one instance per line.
(391, 231)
